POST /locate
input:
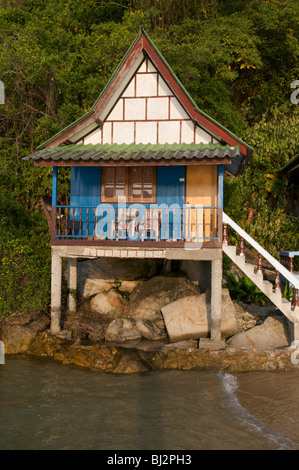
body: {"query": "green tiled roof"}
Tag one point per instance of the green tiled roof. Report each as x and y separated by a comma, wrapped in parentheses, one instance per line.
(134, 152)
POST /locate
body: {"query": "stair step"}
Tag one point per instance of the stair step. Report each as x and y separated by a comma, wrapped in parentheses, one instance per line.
(240, 260)
(249, 269)
(267, 288)
(230, 250)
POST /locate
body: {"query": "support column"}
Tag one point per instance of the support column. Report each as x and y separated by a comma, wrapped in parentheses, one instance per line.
(296, 332)
(72, 284)
(56, 275)
(216, 299)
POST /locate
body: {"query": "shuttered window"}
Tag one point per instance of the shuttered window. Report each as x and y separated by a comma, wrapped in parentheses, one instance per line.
(136, 184)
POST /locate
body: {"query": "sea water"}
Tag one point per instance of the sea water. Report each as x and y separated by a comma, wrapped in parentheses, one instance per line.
(45, 405)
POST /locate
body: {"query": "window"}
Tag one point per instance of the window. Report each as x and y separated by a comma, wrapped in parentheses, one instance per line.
(136, 184)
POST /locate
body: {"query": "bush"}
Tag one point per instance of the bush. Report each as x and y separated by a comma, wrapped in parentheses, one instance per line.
(24, 268)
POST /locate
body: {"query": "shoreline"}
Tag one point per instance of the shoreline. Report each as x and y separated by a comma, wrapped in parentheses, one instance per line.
(272, 399)
(145, 356)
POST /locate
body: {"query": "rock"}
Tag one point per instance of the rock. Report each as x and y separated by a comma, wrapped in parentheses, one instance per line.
(109, 303)
(273, 333)
(122, 330)
(147, 299)
(229, 325)
(19, 330)
(188, 345)
(129, 362)
(189, 317)
(91, 287)
(101, 273)
(128, 286)
(149, 331)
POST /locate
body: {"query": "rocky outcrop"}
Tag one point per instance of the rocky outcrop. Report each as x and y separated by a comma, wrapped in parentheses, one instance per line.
(19, 330)
(190, 317)
(120, 360)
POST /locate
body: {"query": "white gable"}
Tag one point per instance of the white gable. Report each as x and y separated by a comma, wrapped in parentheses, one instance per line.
(147, 111)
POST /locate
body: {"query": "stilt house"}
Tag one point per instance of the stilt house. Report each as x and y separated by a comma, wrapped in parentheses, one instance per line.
(147, 169)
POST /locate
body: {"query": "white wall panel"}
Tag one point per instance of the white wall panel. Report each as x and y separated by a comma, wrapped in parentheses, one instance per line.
(202, 137)
(135, 109)
(117, 112)
(169, 132)
(107, 133)
(142, 68)
(187, 132)
(94, 138)
(157, 108)
(130, 90)
(146, 132)
(176, 110)
(163, 89)
(123, 132)
(146, 84)
(151, 67)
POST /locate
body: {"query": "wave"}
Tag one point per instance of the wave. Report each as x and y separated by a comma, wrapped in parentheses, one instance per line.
(229, 385)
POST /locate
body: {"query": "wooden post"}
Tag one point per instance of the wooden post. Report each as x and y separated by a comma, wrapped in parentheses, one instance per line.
(291, 265)
(296, 299)
(259, 264)
(242, 246)
(277, 281)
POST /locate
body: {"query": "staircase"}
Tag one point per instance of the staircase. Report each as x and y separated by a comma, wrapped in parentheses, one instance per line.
(289, 308)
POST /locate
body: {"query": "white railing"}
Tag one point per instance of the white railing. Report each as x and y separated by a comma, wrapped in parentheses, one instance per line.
(276, 264)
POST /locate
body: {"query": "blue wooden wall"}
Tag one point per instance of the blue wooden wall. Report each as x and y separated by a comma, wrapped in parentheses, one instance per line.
(85, 191)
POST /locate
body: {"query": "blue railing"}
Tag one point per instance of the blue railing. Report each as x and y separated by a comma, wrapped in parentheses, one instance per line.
(138, 222)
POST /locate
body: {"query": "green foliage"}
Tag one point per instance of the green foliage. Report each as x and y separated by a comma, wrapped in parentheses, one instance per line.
(24, 262)
(258, 200)
(245, 290)
(288, 292)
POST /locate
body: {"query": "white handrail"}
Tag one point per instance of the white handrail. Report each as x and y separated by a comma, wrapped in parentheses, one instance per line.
(276, 264)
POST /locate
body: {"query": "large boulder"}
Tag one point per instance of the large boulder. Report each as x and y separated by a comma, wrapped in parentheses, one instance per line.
(147, 300)
(273, 333)
(190, 317)
(110, 303)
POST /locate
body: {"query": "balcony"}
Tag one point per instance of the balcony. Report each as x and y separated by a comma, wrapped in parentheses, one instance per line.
(137, 225)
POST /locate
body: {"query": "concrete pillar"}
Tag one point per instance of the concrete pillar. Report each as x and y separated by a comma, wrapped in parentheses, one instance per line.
(216, 299)
(296, 332)
(72, 284)
(56, 275)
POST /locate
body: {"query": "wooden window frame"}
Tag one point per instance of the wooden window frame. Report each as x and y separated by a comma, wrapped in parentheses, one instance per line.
(128, 186)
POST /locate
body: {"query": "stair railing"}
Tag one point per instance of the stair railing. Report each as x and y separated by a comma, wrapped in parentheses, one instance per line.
(262, 253)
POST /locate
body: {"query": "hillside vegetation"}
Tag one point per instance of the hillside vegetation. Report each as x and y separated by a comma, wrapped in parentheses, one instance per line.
(236, 58)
